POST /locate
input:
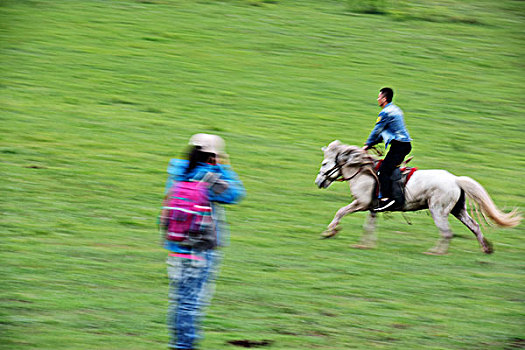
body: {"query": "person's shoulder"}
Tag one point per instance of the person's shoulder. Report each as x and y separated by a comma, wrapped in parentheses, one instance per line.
(387, 110)
(224, 167)
(177, 166)
(393, 109)
(176, 162)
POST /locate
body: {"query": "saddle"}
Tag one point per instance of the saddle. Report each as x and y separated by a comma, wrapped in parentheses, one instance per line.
(399, 178)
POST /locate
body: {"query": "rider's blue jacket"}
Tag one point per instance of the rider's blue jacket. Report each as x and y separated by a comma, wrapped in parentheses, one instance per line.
(231, 195)
(390, 125)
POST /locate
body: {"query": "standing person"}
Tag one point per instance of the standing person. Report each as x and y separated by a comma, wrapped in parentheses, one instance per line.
(390, 128)
(192, 272)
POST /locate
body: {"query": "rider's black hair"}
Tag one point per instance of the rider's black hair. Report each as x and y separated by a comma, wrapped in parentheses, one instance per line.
(388, 93)
(195, 156)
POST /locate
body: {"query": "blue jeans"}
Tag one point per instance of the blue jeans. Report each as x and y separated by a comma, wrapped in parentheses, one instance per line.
(191, 288)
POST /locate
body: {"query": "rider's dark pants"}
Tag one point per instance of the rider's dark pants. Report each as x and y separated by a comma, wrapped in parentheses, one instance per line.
(395, 156)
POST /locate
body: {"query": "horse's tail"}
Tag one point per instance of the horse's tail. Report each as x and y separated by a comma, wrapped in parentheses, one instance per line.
(478, 194)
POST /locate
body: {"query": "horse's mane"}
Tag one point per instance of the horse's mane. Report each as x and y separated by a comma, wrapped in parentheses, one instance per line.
(356, 155)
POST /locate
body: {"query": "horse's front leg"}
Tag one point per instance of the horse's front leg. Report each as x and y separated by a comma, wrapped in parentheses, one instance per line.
(332, 228)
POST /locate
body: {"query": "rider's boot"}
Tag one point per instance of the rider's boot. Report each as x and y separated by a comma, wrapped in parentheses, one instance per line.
(396, 201)
(385, 204)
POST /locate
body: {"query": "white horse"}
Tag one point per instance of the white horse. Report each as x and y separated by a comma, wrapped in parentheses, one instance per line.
(437, 190)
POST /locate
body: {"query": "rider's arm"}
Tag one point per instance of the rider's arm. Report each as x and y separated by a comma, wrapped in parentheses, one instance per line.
(375, 135)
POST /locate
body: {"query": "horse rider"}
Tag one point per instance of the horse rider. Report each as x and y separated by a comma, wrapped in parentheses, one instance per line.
(390, 128)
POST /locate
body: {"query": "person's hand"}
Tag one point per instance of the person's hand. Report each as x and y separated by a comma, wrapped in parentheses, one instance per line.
(376, 151)
(366, 148)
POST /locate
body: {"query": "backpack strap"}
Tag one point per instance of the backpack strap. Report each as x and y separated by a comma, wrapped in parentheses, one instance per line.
(209, 178)
(214, 182)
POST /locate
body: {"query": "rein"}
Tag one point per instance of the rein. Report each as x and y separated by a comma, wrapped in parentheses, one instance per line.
(351, 177)
(328, 174)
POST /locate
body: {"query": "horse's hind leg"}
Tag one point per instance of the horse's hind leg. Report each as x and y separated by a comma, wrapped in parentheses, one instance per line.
(368, 239)
(473, 226)
(440, 217)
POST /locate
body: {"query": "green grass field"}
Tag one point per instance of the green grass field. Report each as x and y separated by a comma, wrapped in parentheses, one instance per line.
(97, 96)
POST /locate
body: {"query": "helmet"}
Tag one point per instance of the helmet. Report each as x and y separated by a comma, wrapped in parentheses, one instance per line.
(208, 143)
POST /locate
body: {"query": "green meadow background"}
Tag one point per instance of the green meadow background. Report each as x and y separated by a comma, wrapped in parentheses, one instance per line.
(96, 96)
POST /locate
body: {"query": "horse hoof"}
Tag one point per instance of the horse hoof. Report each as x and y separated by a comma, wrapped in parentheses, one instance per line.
(434, 253)
(488, 248)
(362, 246)
(329, 233)
(326, 235)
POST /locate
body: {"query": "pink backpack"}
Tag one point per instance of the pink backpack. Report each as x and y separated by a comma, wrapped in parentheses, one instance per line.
(187, 216)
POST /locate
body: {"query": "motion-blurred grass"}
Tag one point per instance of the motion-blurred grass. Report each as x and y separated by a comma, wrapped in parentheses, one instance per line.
(96, 96)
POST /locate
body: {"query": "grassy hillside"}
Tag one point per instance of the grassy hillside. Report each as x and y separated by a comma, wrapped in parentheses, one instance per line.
(97, 96)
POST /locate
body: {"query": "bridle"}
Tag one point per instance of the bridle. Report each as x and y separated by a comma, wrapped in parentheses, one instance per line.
(337, 167)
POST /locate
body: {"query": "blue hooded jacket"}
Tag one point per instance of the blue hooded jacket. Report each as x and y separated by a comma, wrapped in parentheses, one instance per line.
(231, 195)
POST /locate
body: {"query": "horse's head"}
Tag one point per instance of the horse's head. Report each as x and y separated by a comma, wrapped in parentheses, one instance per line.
(336, 157)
